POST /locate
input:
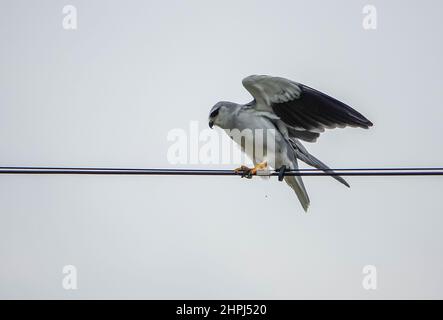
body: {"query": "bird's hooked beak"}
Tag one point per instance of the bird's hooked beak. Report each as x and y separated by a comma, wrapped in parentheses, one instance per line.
(213, 115)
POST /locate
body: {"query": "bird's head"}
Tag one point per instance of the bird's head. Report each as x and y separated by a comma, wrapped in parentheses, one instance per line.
(220, 114)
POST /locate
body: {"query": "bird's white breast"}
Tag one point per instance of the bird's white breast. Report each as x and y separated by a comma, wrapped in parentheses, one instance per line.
(260, 138)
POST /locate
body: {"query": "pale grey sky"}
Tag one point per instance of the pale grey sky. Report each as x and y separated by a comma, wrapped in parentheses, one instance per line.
(108, 93)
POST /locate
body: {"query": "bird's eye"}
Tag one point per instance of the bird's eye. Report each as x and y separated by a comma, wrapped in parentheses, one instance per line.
(214, 113)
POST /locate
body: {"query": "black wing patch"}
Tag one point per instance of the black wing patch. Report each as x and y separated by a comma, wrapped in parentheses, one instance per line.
(314, 111)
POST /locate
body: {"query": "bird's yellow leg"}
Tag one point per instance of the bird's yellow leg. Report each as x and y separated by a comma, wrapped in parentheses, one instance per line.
(259, 166)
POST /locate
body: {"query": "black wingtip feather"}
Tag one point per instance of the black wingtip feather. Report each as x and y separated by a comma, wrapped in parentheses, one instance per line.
(343, 112)
(314, 110)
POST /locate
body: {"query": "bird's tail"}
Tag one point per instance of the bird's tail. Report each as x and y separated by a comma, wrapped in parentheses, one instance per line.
(309, 159)
(296, 183)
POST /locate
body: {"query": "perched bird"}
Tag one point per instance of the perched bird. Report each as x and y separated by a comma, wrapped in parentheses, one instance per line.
(294, 112)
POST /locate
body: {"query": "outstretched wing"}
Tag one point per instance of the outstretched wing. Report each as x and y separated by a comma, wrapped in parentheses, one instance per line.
(300, 106)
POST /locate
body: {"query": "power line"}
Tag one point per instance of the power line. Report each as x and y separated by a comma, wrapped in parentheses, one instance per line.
(301, 169)
(205, 172)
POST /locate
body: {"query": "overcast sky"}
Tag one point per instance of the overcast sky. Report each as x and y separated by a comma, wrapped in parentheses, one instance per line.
(108, 93)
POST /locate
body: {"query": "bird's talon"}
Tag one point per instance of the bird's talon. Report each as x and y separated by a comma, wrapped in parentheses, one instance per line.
(241, 169)
(247, 172)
